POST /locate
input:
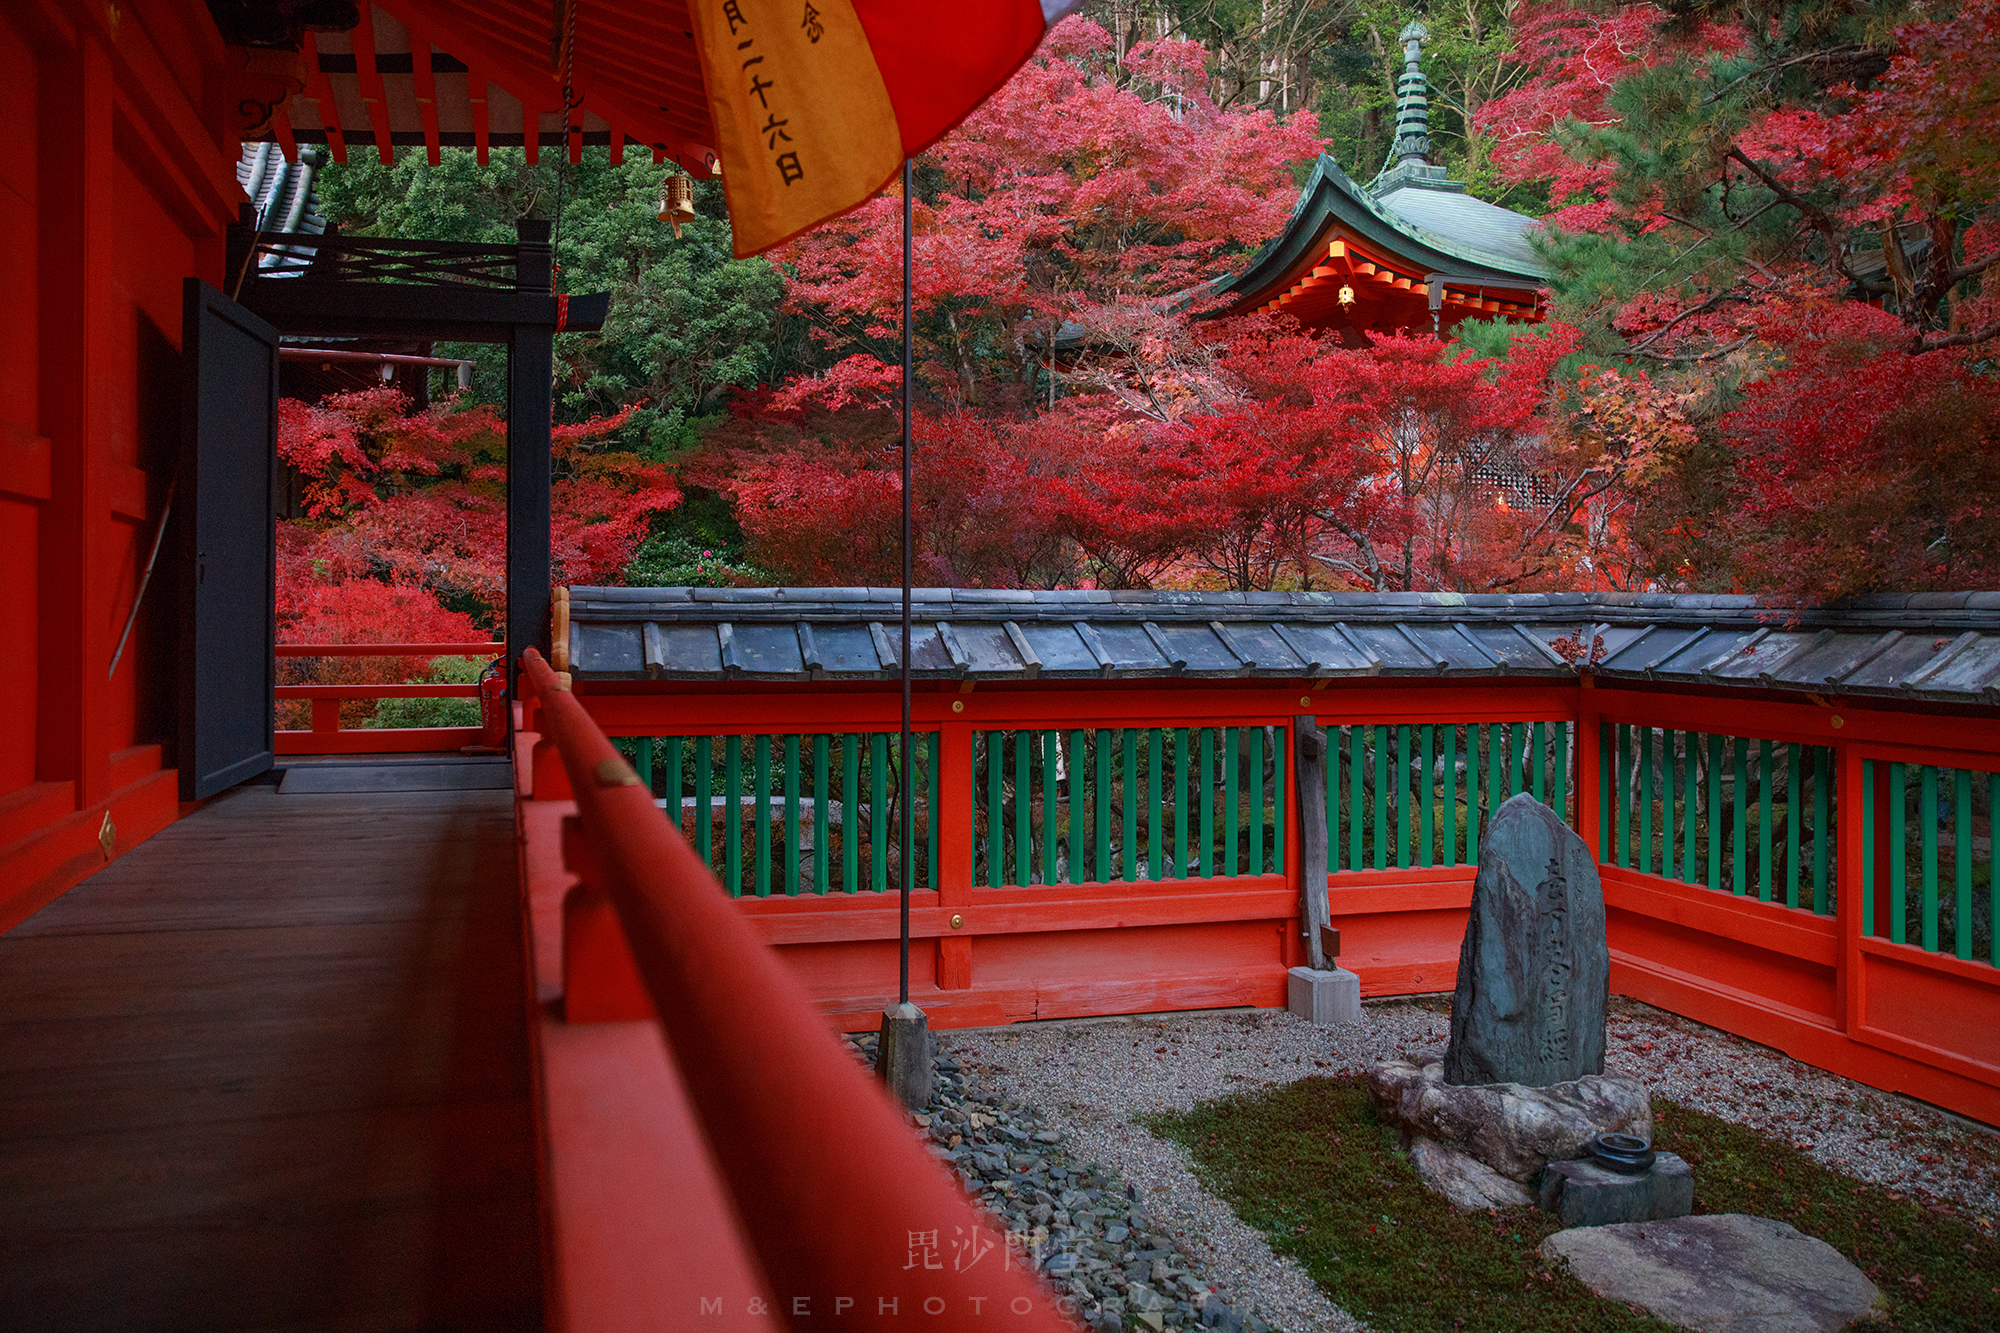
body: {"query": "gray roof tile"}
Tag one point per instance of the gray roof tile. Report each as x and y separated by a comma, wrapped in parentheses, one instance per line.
(1930, 646)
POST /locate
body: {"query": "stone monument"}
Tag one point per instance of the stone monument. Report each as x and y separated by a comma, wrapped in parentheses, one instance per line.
(1521, 1091)
(1534, 974)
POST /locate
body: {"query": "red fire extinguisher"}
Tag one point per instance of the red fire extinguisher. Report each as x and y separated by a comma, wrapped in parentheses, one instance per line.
(492, 709)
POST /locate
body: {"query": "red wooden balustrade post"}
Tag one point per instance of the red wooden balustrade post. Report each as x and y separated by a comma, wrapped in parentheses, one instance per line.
(859, 1213)
(953, 871)
(1588, 757)
(325, 715)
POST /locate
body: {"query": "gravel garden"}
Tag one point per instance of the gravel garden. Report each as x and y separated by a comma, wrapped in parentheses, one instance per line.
(1224, 1170)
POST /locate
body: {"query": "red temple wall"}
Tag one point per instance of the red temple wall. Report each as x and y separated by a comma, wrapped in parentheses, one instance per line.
(114, 187)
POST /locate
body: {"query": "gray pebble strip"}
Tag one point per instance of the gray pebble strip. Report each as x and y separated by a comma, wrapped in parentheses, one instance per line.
(1039, 1120)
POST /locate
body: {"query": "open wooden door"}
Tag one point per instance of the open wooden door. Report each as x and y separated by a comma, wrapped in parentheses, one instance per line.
(228, 542)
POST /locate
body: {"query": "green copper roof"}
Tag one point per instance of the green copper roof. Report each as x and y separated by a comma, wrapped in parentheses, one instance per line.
(1419, 215)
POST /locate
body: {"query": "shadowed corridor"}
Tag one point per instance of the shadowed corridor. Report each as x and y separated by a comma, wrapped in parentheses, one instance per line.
(270, 1070)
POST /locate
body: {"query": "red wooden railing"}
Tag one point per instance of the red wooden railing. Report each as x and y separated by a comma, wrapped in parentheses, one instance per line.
(757, 1177)
(1796, 953)
(326, 735)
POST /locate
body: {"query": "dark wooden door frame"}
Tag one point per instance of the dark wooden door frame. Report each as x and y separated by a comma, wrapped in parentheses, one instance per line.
(342, 287)
(228, 458)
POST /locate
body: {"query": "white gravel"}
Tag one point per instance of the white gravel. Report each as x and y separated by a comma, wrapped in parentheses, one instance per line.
(1092, 1077)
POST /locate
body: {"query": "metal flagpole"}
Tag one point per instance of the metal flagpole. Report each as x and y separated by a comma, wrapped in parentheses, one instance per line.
(909, 764)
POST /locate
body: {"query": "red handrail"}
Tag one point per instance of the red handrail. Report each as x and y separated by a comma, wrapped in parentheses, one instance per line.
(836, 1197)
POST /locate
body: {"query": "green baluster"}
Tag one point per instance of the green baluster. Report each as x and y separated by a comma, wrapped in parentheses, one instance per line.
(732, 814)
(1448, 807)
(667, 768)
(1739, 850)
(792, 816)
(1425, 736)
(1715, 825)
(1332, 796)
(1898, 854)
(1156, 825)
(878, 812)
(704, 804)
(1620, 786)
(1471, 795)
(1024, 808)
(1823, 825)
(1514, 737)
(1607, 756)
(1927, 780)
(642, 762)
(1794, 789)
(1101, 821)
(1961, 827)
(1051, 821)
(1495, 742)
(1867, 847)
(1646, 799)
(1559, 764)
(932, 741)
(1205, 788)
(850, 813)
(763, 809)
(1078, 858)
(822, 799)
(1669, 787)
(1382, 798)
(1280, 793)
(1180, 802)
(1764, 821)
(1256, 822)
(1402, 797)
(1690, 806)
(996, 808)
(1129, 795)
(1231, 809)
(1355, 793)
(1538, 765)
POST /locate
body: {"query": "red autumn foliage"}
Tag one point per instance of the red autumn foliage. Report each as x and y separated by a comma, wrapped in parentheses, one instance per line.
(1085, 184)
(1862, 467)
(406, 512)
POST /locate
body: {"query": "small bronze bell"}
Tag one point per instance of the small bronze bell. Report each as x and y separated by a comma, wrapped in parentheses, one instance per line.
(677, 202)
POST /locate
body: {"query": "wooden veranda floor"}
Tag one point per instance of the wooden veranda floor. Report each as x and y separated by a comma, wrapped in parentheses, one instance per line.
(270, 1070)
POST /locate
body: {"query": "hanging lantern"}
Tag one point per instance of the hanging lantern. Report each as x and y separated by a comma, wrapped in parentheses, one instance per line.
(1346, 296)
(677, 202)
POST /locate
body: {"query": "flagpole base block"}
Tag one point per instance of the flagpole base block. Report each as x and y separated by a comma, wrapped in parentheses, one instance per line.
(903, 1055)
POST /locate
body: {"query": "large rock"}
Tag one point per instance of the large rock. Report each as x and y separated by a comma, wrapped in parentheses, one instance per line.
(1721, 1273)
(1464, 1179)
(1533, 971)
(1515, 1130)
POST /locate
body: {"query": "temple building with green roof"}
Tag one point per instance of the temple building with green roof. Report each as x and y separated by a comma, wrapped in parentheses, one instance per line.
(1412, 250)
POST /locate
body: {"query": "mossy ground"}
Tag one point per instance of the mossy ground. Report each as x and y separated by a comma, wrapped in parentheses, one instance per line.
(1311, 1166)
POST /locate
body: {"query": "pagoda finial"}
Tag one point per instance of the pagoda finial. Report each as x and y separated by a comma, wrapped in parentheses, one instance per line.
(1413, 137)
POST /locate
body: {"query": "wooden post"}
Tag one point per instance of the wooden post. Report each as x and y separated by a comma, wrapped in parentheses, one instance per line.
(1309, 788)
(1588, 757)
(530, 366)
